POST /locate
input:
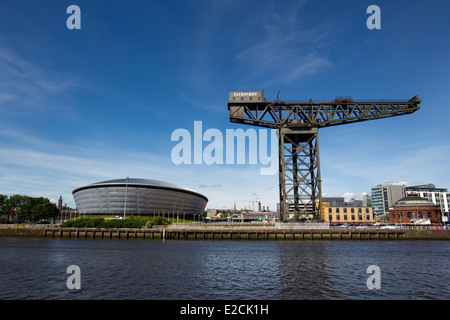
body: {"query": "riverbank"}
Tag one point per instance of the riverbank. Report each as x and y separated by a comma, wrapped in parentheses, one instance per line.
(225, 233)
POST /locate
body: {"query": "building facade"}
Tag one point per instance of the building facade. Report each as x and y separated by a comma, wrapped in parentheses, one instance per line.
(348, 214)
(439, 196)
(413, 208)
(333, 201)
(130, 196)
(384, 196)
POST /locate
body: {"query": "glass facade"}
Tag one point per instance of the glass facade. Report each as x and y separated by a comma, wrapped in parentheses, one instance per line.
(384, 196)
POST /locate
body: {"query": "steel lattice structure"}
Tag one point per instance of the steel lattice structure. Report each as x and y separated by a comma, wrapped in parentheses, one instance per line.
(297, 124)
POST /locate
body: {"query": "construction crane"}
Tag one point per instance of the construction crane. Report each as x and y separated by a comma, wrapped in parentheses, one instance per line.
(297, 124)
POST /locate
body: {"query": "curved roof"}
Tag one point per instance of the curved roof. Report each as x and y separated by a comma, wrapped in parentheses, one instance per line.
(414, 200)
(136, 182)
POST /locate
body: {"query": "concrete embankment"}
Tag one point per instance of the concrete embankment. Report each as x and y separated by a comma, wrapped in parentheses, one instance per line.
(207, 233)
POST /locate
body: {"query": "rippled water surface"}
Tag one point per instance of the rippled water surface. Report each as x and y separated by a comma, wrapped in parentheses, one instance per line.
(238, 270)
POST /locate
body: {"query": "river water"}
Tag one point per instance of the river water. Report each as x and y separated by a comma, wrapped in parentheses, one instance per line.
(221, 270)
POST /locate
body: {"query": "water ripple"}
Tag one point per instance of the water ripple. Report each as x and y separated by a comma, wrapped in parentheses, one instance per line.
(238, 270)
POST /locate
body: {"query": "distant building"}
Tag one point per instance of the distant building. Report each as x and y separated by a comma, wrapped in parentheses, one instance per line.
(60, 203)
(254, 216)
(384, 196)
(366, 201)
(349, 214)
(333, 201)
(414, 208)
(439, 196)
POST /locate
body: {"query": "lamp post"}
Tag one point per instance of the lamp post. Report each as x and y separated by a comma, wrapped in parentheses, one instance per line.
(126, 190)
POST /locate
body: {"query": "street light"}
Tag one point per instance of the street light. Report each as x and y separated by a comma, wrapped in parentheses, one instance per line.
(126, 190)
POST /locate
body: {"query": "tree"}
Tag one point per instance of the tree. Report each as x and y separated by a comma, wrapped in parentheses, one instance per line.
(25, 208)
(3, 199)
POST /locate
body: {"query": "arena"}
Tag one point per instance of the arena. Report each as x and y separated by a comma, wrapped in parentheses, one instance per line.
(139, 197)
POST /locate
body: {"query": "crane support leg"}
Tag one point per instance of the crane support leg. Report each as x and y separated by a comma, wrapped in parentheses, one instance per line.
(300, 181)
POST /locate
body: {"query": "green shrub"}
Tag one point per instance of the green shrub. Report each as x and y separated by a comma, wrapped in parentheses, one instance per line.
(159, 221)
(84, 223)
(130, 222)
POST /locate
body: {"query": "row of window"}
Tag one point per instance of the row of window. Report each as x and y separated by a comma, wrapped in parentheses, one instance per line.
(417, 215)
(352, 218)
(344, 210)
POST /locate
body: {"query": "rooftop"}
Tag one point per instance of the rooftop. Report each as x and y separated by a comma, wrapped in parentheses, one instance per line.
(136, 182)
(414, 200)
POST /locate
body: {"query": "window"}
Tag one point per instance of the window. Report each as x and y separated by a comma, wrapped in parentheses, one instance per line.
(409, 214)
(338, 217)
(359, 210)
(329, 210)
(353, 217)
(367, 210)
(337, 210)
(345, 217)
(429, 214)
(352, 210)
(360, 217)
(393, 215)
(420, 214)
(330, 218)
(367, 217)
(345, 210)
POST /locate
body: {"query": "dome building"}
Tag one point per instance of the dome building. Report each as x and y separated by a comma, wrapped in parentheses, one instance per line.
(414, 208)
(139, 197)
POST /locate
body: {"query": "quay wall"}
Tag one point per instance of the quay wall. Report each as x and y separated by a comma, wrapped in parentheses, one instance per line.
(238, 233)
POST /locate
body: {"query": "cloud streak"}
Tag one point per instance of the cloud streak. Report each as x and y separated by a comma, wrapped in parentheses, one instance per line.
(410, 165)
(43, 168)
(285, 50)
(27, 82)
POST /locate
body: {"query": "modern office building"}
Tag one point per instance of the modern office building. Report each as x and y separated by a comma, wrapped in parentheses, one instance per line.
(130, 196)
(384, 196)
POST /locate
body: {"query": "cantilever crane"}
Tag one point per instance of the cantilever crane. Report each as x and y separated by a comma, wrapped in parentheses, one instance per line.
(298, 124)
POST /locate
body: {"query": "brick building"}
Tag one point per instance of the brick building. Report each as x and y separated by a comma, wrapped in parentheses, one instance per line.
(414, 207)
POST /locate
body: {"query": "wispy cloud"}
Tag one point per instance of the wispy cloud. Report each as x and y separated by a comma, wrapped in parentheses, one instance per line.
(35, 166)
(286, 50)
(408, 165)
(248, 43)
(27, 82)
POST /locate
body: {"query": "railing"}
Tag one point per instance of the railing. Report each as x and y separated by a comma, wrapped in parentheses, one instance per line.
(310, 226)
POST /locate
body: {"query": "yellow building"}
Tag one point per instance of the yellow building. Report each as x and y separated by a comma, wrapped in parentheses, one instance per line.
(360, 215)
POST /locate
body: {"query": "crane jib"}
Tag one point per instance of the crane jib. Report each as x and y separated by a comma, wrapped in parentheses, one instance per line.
(297, 123)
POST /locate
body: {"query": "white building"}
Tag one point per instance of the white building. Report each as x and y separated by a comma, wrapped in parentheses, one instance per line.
(439, 196)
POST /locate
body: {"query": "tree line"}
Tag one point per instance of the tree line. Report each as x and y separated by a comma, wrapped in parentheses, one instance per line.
(19, 208)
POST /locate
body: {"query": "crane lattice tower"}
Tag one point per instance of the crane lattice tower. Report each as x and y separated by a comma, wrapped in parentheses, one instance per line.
(297, 124)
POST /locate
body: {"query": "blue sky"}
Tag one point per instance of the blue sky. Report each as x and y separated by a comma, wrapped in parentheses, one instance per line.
(100, 103)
